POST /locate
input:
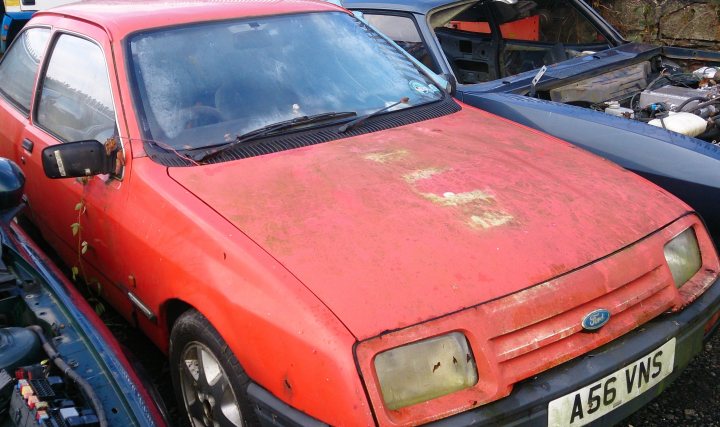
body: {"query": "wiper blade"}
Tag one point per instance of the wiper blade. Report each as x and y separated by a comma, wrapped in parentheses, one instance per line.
(269, 129)
(360, 120)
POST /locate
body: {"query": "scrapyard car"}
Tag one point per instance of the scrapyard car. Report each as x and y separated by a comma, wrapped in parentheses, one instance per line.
(59, 364)
(597, 91)
(317, 234)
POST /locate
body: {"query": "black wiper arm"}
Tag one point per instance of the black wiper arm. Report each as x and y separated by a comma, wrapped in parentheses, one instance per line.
(360, 120)
(269, 129)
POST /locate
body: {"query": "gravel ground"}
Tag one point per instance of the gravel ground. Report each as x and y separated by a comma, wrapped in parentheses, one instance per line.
(692, 400)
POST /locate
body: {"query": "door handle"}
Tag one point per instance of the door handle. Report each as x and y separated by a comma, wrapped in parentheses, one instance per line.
(28, 145)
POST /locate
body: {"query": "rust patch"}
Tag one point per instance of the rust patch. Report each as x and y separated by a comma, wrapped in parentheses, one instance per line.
(459, 199)
(421, 174)
(386, 156)
(490, 219)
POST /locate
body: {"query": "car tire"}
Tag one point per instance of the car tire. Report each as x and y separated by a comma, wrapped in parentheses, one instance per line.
(210, 385)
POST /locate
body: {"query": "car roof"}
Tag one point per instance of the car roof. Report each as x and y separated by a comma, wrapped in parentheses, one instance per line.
(121, 17)
(415, 6)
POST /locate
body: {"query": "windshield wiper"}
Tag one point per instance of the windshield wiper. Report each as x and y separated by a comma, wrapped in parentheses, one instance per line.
(360, 120)
(269, 129)
(536, 80)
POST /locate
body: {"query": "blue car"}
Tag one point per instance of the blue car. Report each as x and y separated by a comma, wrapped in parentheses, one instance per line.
(14, 14)
(59, 364)
(559, 67)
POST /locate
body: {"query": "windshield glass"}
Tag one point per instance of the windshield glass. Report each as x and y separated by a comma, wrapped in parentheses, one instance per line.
(202, 85)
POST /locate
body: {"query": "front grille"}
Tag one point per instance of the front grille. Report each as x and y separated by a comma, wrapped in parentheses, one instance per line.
(540, 327)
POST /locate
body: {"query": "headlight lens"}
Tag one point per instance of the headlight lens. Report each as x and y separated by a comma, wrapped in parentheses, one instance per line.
(682, 254)
(425, 370)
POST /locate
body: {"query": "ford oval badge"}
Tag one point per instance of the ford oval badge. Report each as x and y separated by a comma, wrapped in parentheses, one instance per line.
(595, 319)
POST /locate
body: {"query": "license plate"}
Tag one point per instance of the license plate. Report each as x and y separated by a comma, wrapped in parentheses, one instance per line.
(597, 399)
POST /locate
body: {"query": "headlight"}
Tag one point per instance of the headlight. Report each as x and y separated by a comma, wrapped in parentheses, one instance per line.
(425, 370)
(682, 254)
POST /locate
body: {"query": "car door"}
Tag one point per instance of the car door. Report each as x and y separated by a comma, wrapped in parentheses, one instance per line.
(18, 72)
(76, 99)
(468, 47)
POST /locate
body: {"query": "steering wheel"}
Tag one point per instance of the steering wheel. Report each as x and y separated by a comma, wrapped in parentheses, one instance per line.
(202, 115)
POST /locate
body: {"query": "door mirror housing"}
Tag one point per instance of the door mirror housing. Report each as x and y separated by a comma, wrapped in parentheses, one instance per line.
(78, 159)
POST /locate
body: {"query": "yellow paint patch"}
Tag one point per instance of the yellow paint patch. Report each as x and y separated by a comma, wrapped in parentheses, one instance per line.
(387, 156)
(459, 199)
(490, 219)
(421, 174)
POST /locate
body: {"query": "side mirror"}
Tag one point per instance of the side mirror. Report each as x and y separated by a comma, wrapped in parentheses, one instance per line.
(12, 184)
(77, 159)
(452, 83)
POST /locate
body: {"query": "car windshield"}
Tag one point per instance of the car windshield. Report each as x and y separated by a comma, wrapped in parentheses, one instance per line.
(201, 85)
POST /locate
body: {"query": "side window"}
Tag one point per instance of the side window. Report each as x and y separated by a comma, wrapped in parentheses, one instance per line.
(20, 66)
(76, 99)
(543, 32)
(465, 35)
(532, 33)
(403, 31)
(473, 19)
(547, 21)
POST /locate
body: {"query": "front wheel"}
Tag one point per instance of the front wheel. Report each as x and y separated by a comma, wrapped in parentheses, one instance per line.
(208, 380)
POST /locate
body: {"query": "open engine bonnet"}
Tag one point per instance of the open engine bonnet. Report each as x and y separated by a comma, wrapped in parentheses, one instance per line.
(35, 388)
(678, 95)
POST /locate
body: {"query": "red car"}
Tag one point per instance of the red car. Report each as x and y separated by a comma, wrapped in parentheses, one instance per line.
(316, 233)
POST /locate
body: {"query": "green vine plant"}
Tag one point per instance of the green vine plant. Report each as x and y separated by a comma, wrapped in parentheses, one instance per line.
(93, 286)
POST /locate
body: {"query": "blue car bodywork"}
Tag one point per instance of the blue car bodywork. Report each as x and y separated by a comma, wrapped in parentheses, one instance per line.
(12, 22)
(686, 166)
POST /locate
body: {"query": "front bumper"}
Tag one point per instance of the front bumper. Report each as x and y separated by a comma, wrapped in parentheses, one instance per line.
(527, 405)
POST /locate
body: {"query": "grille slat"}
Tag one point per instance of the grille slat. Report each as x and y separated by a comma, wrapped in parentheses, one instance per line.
(567, 322)
(542, 358)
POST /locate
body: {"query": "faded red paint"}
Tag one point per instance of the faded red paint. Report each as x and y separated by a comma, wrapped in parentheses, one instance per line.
(297, 256)
(381, 244)
(523, 334)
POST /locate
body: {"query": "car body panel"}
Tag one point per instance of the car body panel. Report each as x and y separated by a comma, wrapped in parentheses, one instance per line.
(496, 199)
(691, 171)
(684, 166)
(517, 339)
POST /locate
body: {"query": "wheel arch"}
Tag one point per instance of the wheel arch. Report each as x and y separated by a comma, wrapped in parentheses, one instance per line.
(170, 311)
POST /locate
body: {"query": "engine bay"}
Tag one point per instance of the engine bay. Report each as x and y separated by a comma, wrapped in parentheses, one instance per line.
(680, 96)
(39, 385)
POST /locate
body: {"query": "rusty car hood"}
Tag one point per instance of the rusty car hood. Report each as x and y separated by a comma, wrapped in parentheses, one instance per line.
(396, 227)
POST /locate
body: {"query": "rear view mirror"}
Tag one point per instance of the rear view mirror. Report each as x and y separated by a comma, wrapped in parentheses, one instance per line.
(77, 159)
